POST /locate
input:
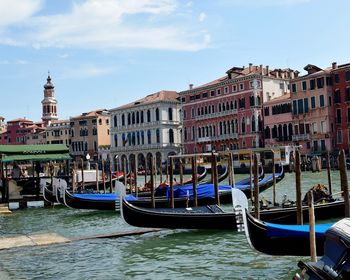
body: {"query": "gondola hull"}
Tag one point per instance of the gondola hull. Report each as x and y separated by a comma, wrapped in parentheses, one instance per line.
(282, 240)
(206, 217)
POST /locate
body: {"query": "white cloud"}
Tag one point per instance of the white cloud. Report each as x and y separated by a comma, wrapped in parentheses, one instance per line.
(85, 71)
(14, 11)
(102, 24)
(202, 17)
(21, 62)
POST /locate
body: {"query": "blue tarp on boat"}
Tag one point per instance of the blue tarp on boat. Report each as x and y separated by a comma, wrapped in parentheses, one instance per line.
(103, 196)
(277, 230)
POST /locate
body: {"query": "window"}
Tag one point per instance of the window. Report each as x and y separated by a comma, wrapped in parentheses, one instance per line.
(321, 100)
(347, 94)
(303, 85)
(241, 86)
(234, 88)
(294, 87)
(149, 137)
(171, 136)
(170, 114)
(100, 121)
(306, 105)
(336, 78)
(347, 76)
(157, 114)
(267, 111)
(312, 84)
(115, 121)
(338, 116)
(148, 116)
(320, 82)
(212, 93)
(295, 108)
(218, 91)
(337, 98)
(226, 89)
(123, 120)
(313, 102)
(348, 115)
(300, 106)
(315, 146)
(339, 136)
(115, 140)
(205, 95)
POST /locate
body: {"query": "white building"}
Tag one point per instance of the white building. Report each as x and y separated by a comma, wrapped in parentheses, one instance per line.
(146, 128)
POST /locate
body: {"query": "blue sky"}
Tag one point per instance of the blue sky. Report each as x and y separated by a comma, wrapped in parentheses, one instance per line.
(106, 53)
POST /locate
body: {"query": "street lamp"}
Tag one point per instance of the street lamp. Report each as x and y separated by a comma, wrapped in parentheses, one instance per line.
(87, 161)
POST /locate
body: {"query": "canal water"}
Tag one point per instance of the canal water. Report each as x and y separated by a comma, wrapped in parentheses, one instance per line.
(169, 254)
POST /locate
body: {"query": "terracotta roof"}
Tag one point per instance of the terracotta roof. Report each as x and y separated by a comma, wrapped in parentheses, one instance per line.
(20, 120)
(163, 95)
(279, 99)
(90, 114)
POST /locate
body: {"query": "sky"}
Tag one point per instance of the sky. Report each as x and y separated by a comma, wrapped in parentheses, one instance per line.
(102, 54)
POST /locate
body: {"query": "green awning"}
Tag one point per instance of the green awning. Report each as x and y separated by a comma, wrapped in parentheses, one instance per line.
(10, 153)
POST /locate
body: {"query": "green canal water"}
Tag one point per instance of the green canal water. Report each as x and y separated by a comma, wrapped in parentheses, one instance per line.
(169, 254)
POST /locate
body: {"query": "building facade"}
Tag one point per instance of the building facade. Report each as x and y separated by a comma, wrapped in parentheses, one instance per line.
(17, 131)
(58, 132)
(313, 117)
(278, 123)
(49, 103)
(147, 128)
(227, 113)
(341, 98)
(89, 131)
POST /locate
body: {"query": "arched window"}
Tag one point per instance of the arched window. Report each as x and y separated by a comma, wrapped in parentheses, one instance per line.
(138, 137)
(171, 136)
(115, 140)
(137, 117)
(267, 132)
(129, 118)
(158, 135)
(123, 120)
(142, 138)
(115, 121)
(199, 132)
(133, 117)
(133, 139)
(243, 125)
(157, 114)
(125, 140)
(141, 116)
(253, 123)
(149, 136)
(170, 114)
(148, 116)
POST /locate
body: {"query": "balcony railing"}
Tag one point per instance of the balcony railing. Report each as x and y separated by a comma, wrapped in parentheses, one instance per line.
(217, 114)
(301, 137)
(218, 138)
(145, 147)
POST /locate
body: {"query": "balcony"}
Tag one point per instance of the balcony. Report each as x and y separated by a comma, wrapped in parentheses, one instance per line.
(216, 115)
(218, 138)
(301, 137)
(145, 147)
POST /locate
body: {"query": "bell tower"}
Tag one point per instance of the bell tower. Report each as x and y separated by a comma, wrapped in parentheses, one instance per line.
(49, 103)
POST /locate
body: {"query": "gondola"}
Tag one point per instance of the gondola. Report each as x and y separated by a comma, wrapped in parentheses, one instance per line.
(203, 217)
(107, 201)
(277, 239)
(335, 263)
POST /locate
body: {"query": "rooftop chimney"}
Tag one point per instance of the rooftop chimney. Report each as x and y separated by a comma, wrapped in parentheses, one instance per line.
(334, 65)
(267, 71)
(261, 70)
(190, 86)
(250, 67)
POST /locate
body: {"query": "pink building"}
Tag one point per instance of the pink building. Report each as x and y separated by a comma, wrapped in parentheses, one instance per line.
(227, 112)
(313, 117)
(341, 94)
(17, 131)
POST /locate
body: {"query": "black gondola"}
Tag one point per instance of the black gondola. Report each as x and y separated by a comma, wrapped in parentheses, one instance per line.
(204, 217)
(276, 239)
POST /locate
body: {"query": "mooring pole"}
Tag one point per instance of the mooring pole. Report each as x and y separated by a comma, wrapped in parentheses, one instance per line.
(274, 177)
(103, 176)
(135, 177)
(181, 172)
(152, 183)
(110, 176)
(97, 178)
(256, 187)
(82, 174)
(125, 175)
(230, 175)
(171, 183)
(194, 180)
(329, 174)
(344, 182)
(251, 176)
(298, 188)
(216, 181)
(310, 201)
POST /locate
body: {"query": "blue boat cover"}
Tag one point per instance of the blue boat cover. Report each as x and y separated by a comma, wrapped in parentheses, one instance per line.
(207, 190)
(103, 196)
(277, 230)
